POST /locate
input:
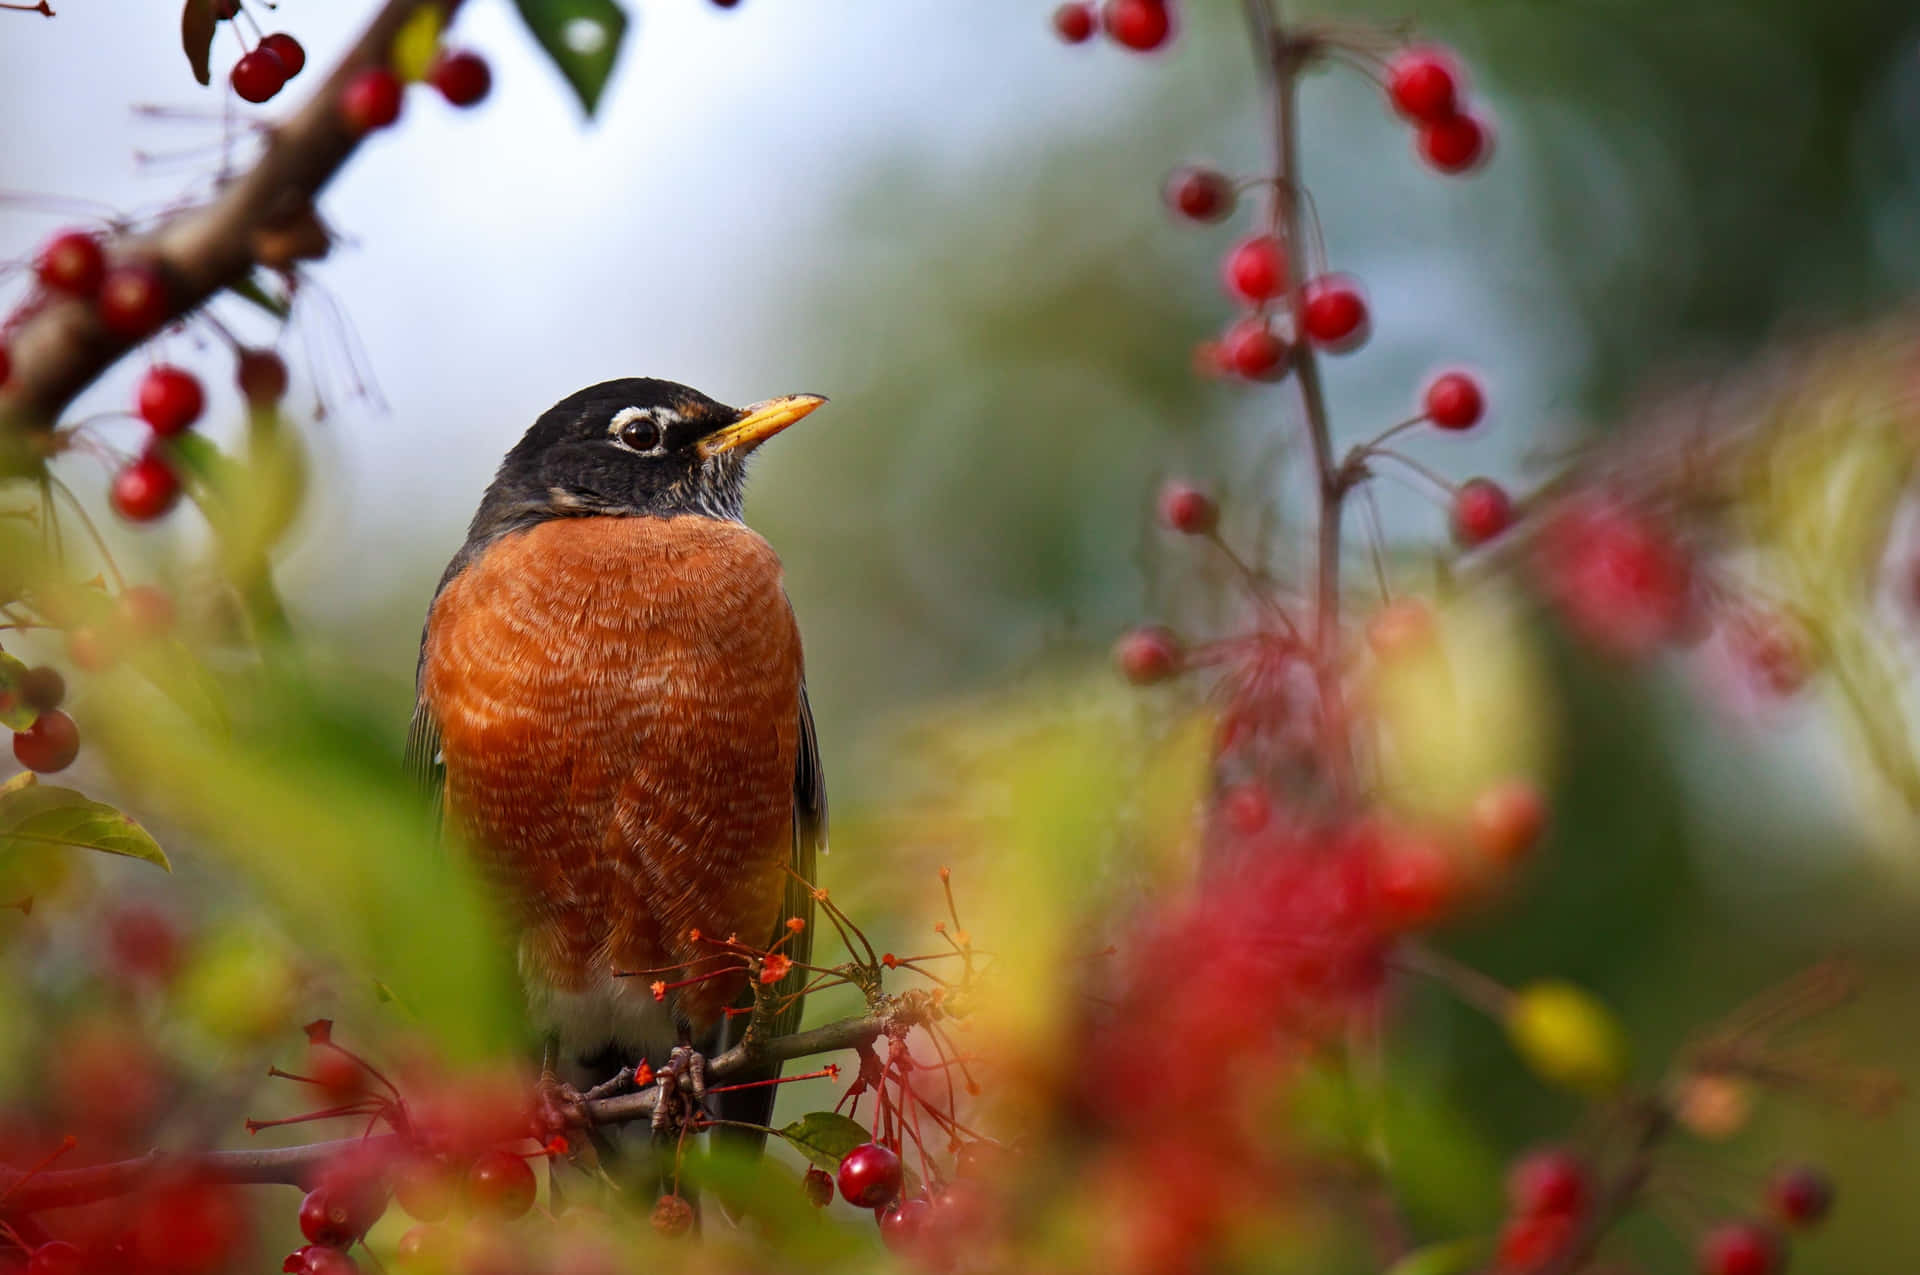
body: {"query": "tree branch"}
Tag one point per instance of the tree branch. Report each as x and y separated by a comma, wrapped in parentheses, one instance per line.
(1280, 55)
(61, 347)
(22, 1194)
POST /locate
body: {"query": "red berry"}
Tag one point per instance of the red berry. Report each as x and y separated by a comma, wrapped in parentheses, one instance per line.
(1424, 85)
(1334, 314)
(145, 611)
(327, 1217)
(1141, 25)
(672, 1216)
(1400, 628)
(339, 1077)
(1548, 1181)
(1247, 808)
(429, 1248)
(463, 78)
(817, 1186)
(318, 1259)
(1074, 23)
(42, 688)
(1799, 1194)
(1481, 510)
(258, 75)
(1187, 509)
(1772, 650)
(1209, 359)
(72, 262)
(6, 365)
(1200, 194)
(870, 1176)
(56, 1257)
(1529, 1243)
(50, 744)
(904, 1227)
(170, 399)
(371, 100)
(90, 650)
(1456, 144)
(1739, 1248)
(1251, 349)
(143, 943)
(145, 489)
(423, 1187)
(1256, 269)
(1415, 881)
(1146, 655)
(133, 300)
(1507, 819)
(501, 1185)
(287, 49)
(1454, 401)
(262, 376)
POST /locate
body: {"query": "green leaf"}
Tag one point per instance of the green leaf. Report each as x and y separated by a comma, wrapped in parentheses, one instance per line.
(1450, 1257)
(250, 290)
(34, 817)
(825, 1137)
(197, 24)
(583, 39)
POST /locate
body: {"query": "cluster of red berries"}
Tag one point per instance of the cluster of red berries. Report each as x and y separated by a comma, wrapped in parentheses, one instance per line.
(1140, 25)
(1548, 1194)
(373, 97)
(1333, 310)
(142, 612)
(1550, 1191)
(1426, 87)
(53, 741)
(131, 297)
(351, 1196)
(927, 1227)
(1797, 1197)
(179, 1223)
(170, 400)
(264, 70)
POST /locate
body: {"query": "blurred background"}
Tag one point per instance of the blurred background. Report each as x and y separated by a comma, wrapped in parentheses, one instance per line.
(950, 223)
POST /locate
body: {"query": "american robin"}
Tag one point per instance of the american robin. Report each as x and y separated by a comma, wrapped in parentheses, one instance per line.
(611, 701)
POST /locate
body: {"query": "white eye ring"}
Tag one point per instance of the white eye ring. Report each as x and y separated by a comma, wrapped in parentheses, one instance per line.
(656, 420)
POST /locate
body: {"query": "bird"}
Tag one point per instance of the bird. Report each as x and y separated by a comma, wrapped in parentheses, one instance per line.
(611, 712)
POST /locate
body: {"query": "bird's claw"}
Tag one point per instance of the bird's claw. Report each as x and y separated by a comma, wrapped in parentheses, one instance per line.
(558, 1106)
(670, 1106)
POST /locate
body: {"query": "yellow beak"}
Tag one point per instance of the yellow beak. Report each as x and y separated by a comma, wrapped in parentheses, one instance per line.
(758, 423)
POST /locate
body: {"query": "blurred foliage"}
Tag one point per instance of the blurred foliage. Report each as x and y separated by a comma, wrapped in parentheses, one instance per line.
(1008, 346)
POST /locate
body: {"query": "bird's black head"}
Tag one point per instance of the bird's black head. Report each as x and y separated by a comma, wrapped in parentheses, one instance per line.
(635, 447)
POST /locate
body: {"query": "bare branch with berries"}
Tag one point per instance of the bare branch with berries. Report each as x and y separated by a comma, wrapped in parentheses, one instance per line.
(144, 280)
(23, 1193)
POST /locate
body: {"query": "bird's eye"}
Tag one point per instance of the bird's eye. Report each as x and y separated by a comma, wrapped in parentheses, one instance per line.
(642, 434)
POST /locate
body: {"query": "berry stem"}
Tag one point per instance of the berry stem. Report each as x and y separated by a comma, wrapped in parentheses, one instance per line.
(1385, 435)
(1280, 57)
(1469, 984)
(93, 532)
(1427, 472)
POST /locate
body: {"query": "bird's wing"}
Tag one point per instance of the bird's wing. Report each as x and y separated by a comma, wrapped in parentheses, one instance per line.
(423, 761)
(755, 1106)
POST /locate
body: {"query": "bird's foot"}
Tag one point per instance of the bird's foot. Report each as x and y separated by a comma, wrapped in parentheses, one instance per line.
(613, 1086)
(671, 1107)
(558, 1107)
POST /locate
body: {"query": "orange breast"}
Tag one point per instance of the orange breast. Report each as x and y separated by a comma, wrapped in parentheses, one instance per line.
(618, 705)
